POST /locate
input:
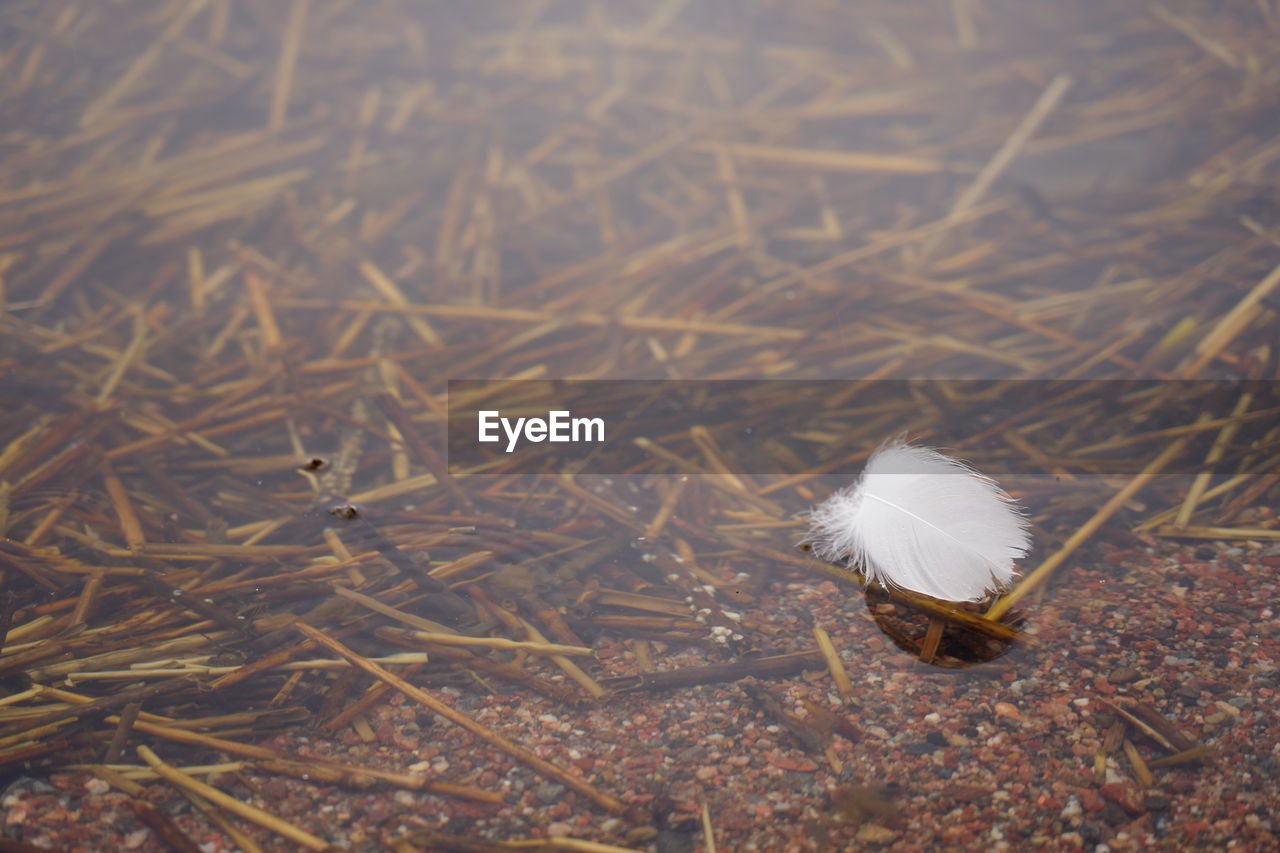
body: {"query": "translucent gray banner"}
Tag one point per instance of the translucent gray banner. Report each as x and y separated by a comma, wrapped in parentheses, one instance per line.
(788, 427)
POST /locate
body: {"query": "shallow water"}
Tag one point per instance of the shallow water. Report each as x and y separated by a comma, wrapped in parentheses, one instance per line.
(261, 265)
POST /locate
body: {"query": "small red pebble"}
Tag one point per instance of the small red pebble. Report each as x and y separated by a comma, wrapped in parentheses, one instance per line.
(1004, 709)
(1103, 686)
(1125, 795)
(276, 789)
(1091, 802)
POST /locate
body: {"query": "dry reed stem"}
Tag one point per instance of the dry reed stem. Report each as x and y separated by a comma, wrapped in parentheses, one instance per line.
(1044, 105)
(456, 717)
(285, 67)
(571, 669)
(1211, 46)
(1119, 499)
(834, 664)
(1231, 324)
(1201, 482)
(539, 647)
(244, 810)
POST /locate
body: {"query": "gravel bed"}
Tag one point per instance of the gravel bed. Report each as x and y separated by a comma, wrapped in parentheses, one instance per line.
(994, 757)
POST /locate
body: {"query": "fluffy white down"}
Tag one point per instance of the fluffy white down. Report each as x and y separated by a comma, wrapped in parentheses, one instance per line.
(925, 522)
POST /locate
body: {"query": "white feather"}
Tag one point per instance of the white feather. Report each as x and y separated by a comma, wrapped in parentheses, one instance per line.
(925, 522)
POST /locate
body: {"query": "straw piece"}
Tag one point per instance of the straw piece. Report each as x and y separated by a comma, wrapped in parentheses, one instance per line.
(708, 831)
(1206, 532)
(246, 811)
(834, 664)
(107, 100)
(288, 59)
(458, 718)
(1201, 482)
(1119, 499)
(125, 360)
(1210, 46)
(666, 509)
(267, 663)
(395, 613)
(1196, 754)
(159, 822)
(962, 16)
(1145, 779)
(266, 317)
(539, 648)
(571, 669)
(1008, 152)
(1230, 325)
(196, 739)
(317, 769)
(832, 161)
(390, 292)
(220, 820)
(129, 524)
(88, 596)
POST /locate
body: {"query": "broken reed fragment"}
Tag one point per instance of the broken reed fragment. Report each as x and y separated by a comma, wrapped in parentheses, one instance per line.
(925, 522)
(1146, 720)
(244, 810)
(332, 772)
(458, 718)
(775, 666)
(1042, 572)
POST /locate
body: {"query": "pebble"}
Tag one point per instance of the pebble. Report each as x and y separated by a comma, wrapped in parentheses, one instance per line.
(1126, 795)
(874, 833)
(641, 835)
(1091, 801)
(548, 792)
(1123, 675)
(1190, 690)
(1005, 709)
